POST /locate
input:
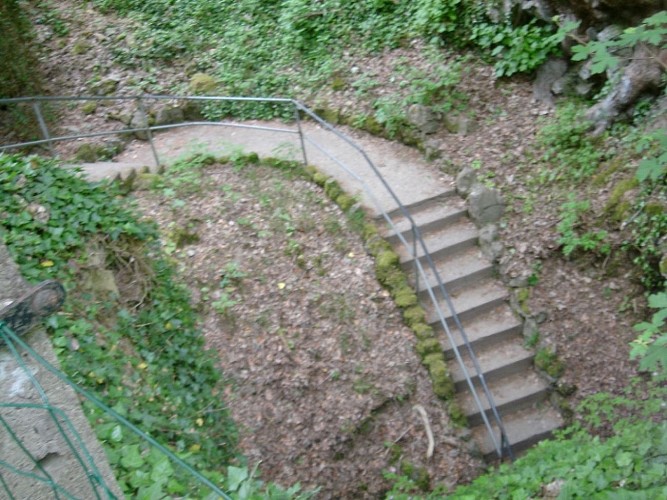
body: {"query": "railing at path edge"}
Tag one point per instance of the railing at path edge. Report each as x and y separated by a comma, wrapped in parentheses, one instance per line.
(495, 427)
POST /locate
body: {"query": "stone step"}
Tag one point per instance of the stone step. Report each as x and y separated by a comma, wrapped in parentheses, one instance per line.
(463, 268)
(432, 217)
(524, 428)
(468, 303)
(442, 242)
(484, 331)
(505, 358)
(448, 194)
(512, 393)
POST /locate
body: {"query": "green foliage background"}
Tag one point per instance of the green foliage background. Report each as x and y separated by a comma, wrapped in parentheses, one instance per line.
(17, 70)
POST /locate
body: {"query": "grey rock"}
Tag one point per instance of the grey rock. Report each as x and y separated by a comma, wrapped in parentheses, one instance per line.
(518, 282)
(459, 123)
(465, 181)
(548, 74)
(489, 243)
(485, 205)
(530, 328)
(642, 74)
(106, 86)
(169, 115)
(541, 317)
(140, 120)
(432, 149)
(423, 118)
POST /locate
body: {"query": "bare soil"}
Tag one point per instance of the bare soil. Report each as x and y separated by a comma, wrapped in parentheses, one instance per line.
(324, 375)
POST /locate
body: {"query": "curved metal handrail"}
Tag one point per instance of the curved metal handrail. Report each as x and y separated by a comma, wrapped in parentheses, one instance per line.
(503, 447)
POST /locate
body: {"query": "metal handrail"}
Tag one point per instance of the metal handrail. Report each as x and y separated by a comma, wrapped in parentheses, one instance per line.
(503, 447)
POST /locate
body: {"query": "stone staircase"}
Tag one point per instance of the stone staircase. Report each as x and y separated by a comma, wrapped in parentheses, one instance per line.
(482, 305)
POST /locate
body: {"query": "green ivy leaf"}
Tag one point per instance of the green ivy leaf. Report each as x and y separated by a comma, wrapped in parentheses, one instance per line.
(236, 476)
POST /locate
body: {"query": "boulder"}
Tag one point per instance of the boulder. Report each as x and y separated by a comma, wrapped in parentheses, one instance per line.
(423, 119)
(140, 120)
(485, 205)
(168, 115)
(547, 75)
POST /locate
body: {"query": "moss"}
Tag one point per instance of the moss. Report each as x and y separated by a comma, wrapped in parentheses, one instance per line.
(456, 414)
(182, 236)
(89, 108)
(547, 361)
(145, 181)
(310, 172)
(443, 387)
(414, 315)
(617, 206)
(422, 331)
(201, 83)
(610, 169)
(522, 296)
(320, 179)
(654, 209)
(385, 263)
(89, 153)
(345, 202)
(332, 189)
(330, 115)
(368, 231)
(372, 126)
(404, 296)
(428, 346)
(376, 245)
(338, 83)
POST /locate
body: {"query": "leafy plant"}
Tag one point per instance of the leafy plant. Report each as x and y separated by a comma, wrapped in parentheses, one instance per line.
(604, 54)
(570, 238)
(651, 345)
(139, 352)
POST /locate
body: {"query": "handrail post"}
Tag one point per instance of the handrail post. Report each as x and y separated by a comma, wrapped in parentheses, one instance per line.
(414, 253)
(149, 133)
(42, 125)
(298, 124)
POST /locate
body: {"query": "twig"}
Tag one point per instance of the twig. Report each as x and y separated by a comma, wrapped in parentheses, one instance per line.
(427, 426)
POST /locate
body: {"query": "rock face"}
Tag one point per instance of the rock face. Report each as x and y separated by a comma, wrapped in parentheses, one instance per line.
(643, 74)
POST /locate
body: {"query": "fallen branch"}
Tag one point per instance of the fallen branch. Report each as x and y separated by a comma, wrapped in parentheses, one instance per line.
(427, 426)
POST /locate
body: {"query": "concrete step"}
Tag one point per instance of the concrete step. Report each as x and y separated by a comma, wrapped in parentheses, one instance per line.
(447, 194)
(442, 242)
(512, 393)
(501, 360)
(486, 330)
(430, 218)
(463, 268)
(524, 428)
(468, 303)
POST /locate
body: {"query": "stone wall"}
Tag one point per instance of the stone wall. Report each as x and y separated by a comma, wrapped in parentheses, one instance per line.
(37, 428)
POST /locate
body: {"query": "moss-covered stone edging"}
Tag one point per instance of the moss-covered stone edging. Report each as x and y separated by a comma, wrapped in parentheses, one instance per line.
(390, 275)
(387, 265)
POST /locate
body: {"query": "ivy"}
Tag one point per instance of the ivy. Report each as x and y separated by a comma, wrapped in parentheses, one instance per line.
(139, 351)
(651, 344)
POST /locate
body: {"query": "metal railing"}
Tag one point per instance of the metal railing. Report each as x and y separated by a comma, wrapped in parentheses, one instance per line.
(496, 429)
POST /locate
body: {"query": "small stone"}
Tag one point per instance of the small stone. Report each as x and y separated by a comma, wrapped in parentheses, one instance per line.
(169, 115)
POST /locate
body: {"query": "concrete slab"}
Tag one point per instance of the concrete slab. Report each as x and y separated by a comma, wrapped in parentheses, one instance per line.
(39, 431)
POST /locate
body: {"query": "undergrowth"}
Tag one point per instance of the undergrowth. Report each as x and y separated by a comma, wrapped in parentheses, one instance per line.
(127, 331)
